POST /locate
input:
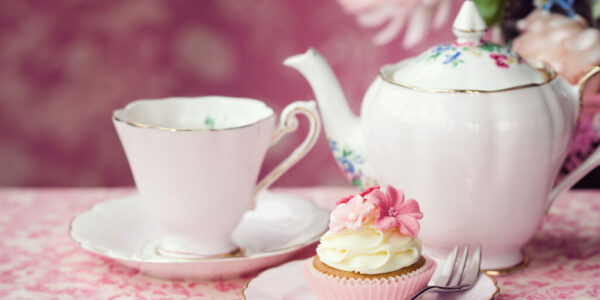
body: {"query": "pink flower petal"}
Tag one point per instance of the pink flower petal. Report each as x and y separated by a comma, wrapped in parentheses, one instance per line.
(355, 203)
(340, 212)
(378, 198)
(408, 225)
(386, 223)
(410, 207)
(354, 225)
(344, 200)
(351, 214)
(369, 190)
(336, 225)
(394, 195)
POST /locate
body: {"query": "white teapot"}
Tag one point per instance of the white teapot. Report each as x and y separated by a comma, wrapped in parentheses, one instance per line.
(473, 132)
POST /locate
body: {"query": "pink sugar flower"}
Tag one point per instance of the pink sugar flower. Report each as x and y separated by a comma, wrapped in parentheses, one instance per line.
(395, 211)
(344, 200)
(351, 215)
(364, 193)
(369, 190)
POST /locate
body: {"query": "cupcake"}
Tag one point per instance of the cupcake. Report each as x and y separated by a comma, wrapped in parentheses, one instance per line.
(371, 250)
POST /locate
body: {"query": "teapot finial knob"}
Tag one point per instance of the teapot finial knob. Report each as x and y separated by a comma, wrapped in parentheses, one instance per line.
(469, 25)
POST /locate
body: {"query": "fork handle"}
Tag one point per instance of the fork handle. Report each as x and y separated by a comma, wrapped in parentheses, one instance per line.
(421, 292)
(438, 289)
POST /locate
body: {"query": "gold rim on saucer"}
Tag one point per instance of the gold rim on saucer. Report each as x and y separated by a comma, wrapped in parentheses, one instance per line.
(497, 292)
(508, 270)
(86, 245)
(243, 295)
(237, 252)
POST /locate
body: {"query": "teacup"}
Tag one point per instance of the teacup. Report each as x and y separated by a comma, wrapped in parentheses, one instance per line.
(195, 162)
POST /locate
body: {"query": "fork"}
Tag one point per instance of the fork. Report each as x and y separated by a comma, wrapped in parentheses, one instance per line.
(456, 274)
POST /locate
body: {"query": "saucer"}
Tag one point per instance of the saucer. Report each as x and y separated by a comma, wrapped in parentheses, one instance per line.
(281, 225)
(287, 282)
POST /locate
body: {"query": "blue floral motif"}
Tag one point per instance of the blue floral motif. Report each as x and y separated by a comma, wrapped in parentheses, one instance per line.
(453, 54)
(350, 163)
(451, 58)
(441, 48)
(346, 164)
(359, 159)
(333, 145)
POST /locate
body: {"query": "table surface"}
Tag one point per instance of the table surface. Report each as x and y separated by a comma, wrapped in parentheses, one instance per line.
(39, 261)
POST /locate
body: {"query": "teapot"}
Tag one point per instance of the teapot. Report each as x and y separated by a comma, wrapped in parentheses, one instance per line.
(471, 130)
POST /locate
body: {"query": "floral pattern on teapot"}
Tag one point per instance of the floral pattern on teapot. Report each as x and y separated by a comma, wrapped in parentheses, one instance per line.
(452, 54)
(350, 163)
(209, 122)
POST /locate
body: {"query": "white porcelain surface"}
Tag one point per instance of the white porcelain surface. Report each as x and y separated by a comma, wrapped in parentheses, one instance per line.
(481, 169)
(481, 162)
(281, 225)
(287, 282)
(468, 63)
(195, 162)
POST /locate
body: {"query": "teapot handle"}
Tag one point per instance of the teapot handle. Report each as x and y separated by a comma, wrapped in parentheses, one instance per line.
(589, 164)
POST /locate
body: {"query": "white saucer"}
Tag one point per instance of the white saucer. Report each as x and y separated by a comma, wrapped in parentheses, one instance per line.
(281, 225)
(287, 282)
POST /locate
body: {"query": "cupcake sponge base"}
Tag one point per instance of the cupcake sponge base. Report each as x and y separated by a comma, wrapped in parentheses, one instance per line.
(332, 287)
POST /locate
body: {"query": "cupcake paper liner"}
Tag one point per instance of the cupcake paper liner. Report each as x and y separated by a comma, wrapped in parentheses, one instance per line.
(328, 287)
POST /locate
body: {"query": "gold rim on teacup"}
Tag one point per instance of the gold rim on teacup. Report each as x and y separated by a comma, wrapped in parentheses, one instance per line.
(173, 129)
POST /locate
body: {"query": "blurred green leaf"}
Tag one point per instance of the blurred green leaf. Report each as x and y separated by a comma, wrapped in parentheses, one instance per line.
(491, 10)
(595, 9)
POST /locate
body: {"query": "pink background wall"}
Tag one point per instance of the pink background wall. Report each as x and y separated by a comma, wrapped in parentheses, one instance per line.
(65, 65)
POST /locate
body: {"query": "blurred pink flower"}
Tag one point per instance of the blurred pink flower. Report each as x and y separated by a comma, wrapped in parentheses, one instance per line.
(351, 215)
(421, 15)
(585, 140)
(395, 211)
(569, 46)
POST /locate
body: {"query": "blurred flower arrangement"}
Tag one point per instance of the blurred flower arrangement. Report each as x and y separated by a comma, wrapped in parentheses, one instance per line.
(418, 16)
(575, 46)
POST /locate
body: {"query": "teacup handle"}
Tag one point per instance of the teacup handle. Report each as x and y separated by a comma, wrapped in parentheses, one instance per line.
(289, 123)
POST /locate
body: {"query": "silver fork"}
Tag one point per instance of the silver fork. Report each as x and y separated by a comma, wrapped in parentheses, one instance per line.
(456, 274)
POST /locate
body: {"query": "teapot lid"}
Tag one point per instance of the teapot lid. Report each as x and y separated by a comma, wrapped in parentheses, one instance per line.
(468, 64)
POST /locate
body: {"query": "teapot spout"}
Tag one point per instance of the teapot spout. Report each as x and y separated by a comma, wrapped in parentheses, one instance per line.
(332, 102)
(342, 127)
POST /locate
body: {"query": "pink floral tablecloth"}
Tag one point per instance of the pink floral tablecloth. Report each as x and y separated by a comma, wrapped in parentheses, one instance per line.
(39, 261)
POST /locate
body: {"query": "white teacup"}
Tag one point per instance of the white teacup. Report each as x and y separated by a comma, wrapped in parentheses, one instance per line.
(196, 161)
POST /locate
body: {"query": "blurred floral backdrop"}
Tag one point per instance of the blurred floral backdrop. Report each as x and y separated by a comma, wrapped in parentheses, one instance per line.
(66, 65)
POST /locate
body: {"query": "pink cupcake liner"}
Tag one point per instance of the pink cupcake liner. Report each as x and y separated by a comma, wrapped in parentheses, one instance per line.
(328, 287)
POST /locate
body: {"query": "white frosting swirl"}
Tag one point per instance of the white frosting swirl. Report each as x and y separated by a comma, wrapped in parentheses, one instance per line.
(368, 250)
